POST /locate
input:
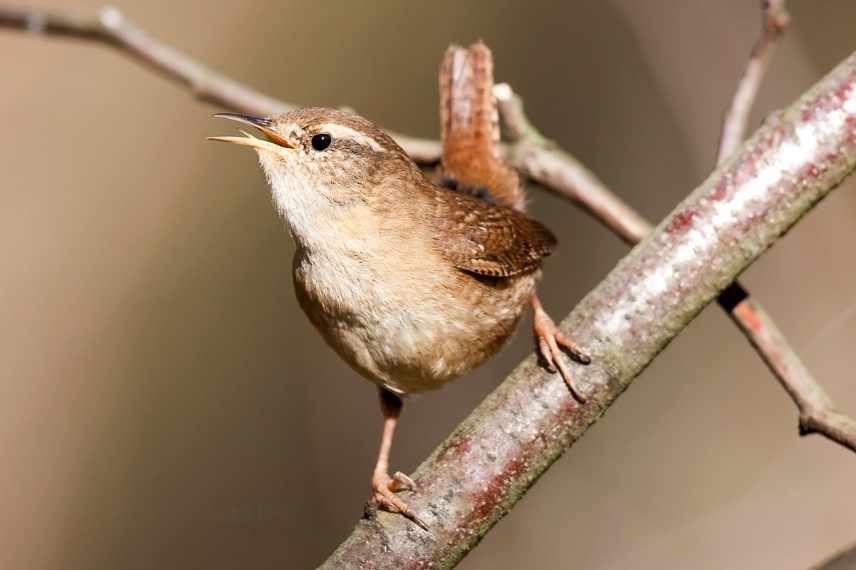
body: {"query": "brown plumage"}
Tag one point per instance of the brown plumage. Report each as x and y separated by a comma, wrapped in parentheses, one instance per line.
(493, 237)
(412, 283)
(470, 128)
(490, 240)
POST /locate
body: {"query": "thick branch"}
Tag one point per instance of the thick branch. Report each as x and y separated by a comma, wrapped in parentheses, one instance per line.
(490, 461)
(542, 159)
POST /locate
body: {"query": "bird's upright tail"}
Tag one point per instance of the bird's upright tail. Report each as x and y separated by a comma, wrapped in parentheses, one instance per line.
(470, 129)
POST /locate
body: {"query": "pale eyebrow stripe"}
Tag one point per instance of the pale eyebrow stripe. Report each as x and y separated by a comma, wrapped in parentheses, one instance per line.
(342, 131)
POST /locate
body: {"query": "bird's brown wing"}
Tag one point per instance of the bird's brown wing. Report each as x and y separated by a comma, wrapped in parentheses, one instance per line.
(494, 241)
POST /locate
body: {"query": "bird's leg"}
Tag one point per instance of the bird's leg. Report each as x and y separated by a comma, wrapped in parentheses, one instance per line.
(551, 341)
(383, 485)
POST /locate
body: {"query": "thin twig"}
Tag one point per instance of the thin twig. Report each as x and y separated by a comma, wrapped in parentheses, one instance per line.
(543, 161)
(112, 29)
(498, 452)
(817, 413)
(774, 21)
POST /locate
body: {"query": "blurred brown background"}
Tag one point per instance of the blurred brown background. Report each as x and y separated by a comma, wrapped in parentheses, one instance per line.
(165, 404)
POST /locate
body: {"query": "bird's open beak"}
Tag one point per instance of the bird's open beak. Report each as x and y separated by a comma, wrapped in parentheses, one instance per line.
(274, 141)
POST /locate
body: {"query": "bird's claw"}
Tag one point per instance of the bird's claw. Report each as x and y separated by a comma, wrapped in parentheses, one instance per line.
(578, 353)
(385, 488)
(401, 482)
(551, 341)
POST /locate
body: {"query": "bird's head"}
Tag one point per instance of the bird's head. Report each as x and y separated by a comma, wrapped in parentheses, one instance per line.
(317, 157)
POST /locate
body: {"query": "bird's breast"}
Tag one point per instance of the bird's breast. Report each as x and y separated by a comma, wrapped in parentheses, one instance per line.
(405, 326)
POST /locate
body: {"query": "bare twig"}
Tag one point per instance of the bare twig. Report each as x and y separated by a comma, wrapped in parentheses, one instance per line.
(817, 413)
(544, 162)
(493, 457)
(774, 21)
(112, 29)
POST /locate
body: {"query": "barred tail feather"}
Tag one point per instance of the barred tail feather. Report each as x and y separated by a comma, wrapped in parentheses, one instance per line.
(470, 128)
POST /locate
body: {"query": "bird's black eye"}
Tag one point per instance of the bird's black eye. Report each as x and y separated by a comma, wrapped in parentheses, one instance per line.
(321, 141)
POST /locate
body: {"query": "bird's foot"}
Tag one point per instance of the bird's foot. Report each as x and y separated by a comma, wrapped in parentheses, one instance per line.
(385, 489)
(550, 342)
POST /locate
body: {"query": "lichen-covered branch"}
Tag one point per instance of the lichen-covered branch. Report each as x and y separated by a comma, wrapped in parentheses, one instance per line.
(542, 160)
(500, 450)
(540, 157)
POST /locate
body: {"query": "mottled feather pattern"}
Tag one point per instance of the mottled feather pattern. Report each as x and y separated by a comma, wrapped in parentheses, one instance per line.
(489, 240)
(485, 233)
(470, 127)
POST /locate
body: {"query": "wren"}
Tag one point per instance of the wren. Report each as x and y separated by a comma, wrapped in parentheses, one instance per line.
(412, 283)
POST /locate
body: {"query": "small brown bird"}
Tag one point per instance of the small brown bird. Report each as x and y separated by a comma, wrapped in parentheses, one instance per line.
(412, 283)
